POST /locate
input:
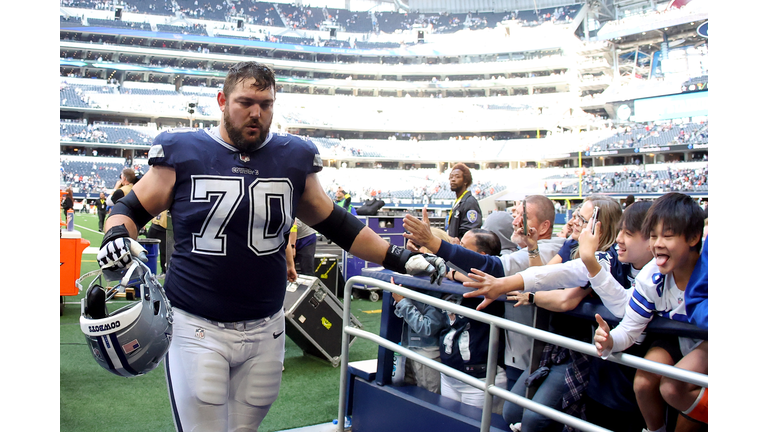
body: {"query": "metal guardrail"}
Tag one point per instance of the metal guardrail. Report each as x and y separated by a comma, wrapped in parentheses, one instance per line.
(488, 385)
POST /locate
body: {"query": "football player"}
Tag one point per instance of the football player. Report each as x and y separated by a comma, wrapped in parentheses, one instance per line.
(234, 191)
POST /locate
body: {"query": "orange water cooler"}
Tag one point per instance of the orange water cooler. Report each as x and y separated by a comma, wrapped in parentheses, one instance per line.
(71, 248)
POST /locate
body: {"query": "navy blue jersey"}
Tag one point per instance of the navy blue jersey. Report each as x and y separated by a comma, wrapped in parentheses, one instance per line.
(231, 214)
(463, 343)
(567, 251)
(620, 271)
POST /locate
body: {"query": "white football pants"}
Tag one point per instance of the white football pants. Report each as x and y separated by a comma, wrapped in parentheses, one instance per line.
(223, 377)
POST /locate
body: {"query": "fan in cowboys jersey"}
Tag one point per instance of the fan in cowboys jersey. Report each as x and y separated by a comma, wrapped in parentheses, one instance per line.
(674, 225)
(233, 192)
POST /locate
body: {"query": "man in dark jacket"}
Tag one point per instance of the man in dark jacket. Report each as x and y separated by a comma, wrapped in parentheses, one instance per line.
(465, 213)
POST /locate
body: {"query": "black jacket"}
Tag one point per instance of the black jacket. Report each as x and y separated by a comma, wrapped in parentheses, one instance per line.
(465, 216)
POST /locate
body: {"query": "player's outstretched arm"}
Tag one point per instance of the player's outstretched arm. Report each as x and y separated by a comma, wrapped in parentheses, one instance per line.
(317, 210)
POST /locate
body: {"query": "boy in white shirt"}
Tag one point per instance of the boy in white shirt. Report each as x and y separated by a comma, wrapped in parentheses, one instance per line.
(674, 225)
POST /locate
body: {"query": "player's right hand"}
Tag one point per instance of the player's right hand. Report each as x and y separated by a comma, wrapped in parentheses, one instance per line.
(118, 249)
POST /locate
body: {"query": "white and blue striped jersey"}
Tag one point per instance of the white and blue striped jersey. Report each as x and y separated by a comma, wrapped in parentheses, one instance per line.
(653, 293)
(613, 284)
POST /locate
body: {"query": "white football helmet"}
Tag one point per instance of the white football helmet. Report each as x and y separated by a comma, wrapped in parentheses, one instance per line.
(132, 340)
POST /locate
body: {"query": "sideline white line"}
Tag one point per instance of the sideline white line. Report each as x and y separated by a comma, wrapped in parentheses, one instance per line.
(93, 250)
(88, 229)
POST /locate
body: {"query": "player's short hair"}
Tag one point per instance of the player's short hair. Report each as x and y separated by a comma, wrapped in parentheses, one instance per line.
(486, 241)
(464, 172)
(677, 213)
(263, 74)
(130, 175)
(634, 215)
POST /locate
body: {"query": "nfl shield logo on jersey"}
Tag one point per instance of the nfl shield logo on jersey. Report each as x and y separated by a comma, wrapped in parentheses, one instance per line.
(200, 333)
(244, 157)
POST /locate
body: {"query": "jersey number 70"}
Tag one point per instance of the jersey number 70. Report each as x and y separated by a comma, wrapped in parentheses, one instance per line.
(270, 207)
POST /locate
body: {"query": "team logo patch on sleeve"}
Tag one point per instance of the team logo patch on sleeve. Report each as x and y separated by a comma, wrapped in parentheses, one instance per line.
(472, 216)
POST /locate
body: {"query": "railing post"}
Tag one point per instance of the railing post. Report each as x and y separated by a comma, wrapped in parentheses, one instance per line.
(490, 377)
(344, 368)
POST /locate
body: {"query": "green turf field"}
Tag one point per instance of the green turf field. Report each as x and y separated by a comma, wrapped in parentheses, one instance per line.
(92, 399)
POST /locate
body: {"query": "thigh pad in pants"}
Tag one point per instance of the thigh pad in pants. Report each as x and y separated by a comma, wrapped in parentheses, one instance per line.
(259, 383)
(211, 379)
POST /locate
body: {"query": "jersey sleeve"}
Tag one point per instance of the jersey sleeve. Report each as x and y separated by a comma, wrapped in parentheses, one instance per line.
(466, 259)
(638, 312)
(163, 151)
(427, 323)
(612, 293)
(317, 160)
(697, 293)
(564, 275)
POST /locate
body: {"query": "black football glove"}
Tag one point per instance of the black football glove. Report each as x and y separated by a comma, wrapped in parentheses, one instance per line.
(118, 249)
(402, 260)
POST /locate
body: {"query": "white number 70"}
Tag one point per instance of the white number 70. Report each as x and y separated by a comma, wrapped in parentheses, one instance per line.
(271, 202)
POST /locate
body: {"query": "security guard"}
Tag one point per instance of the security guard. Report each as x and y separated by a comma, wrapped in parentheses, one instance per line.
(465, 213)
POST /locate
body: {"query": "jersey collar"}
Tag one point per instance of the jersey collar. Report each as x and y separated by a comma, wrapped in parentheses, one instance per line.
(214, 133)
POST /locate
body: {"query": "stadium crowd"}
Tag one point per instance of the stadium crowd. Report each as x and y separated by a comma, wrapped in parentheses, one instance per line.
(619, 259)
(647, 261)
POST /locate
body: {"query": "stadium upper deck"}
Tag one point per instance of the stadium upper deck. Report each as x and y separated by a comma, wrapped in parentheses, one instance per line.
(533, 75)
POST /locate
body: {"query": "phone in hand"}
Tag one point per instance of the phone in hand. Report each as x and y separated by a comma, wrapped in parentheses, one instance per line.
(525, 220)
(594, 218)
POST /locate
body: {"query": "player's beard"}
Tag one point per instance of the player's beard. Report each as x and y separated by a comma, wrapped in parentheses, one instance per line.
(239, 139)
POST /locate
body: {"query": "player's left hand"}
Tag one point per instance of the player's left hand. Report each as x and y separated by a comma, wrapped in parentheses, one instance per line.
(426, 264)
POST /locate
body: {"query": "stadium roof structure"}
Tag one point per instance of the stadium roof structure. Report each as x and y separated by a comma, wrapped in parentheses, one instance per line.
(676, 26)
